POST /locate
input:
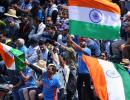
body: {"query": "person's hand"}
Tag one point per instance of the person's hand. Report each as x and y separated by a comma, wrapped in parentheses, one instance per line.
(57, 43)
(26, 63)
(15, 6)
(51, 48)
(64, 7)
(10, 86)
(122, 47)
(20, 72)
(69, 38)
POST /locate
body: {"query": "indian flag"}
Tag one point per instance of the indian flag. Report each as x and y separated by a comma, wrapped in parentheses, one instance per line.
(98, 19)
(111, 81)
(13, 58)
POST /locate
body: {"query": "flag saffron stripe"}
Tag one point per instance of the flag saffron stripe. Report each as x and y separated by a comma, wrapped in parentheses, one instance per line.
(99, 80)
(96, 4)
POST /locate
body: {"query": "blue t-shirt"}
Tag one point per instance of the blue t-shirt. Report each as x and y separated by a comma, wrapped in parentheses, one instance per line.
(26, 6)
(28, 72)
(40, 14)
(82, 69)
(50, 87)
(23, 49)
(95, 48)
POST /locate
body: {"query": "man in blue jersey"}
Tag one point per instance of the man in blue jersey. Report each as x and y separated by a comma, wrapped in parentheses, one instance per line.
(50, 83)
(83, 73)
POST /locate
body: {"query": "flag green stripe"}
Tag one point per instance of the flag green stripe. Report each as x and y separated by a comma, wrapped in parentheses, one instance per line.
(125, 78)
(92, 30)
(19, 58)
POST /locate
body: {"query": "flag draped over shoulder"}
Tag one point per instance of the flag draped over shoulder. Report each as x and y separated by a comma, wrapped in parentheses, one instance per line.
(99, 19)
(111, 81)
(13, 58)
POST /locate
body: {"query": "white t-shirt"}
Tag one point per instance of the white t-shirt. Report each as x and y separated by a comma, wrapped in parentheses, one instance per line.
(66, 72)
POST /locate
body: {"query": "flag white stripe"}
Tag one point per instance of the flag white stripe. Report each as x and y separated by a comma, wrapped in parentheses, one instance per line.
(114, 81)
(12, 67)
(104, 18)
(6, 47)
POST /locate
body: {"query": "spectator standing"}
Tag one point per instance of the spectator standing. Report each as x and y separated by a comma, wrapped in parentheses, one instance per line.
(51, 11)
(68, 53)
(50, 83)
(63, 74)
(83, 73)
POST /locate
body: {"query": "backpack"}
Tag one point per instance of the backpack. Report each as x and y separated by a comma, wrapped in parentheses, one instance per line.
(72, 82)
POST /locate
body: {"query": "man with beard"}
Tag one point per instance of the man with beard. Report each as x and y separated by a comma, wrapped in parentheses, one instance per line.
(43, 52)
(83, 73)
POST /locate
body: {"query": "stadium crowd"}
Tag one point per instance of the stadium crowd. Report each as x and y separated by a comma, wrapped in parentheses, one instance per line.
(54, 68)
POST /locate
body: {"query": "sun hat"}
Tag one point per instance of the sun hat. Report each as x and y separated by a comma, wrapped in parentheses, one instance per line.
(11, 13)
(51, 64)
(41, 64)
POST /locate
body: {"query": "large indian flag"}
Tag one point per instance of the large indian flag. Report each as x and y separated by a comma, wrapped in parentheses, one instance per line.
(98, 19)
(111, 81)
(13, 58)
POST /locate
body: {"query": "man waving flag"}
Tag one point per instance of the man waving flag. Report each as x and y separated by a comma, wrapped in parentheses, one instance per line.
(98, 19)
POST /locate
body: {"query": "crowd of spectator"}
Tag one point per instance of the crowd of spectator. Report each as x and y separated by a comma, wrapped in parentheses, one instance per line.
(54, 68)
